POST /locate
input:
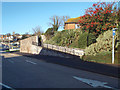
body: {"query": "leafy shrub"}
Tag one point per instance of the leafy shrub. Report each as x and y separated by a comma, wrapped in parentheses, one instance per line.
(82, 41)
(49, 33)
(72, 38)
(103, 44)
(64, 38)
(91, 39)
(85, 40)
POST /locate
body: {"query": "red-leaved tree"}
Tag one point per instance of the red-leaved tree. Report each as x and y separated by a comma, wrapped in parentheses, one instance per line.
(99, 18)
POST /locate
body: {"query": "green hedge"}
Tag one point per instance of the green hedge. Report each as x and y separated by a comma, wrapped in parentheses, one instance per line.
(103, 44)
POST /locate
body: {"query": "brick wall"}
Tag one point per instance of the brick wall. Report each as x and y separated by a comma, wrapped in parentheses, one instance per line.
(70, 26)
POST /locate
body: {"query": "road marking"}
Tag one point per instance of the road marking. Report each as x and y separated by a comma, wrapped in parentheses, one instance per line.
(93, 83)
(30, 62)
(6, 86)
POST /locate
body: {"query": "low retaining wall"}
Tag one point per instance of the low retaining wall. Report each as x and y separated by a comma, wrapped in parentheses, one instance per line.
(50, 52)
(71, 51)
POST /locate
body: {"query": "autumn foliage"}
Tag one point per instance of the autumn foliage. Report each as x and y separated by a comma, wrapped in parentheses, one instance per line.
(99, 18)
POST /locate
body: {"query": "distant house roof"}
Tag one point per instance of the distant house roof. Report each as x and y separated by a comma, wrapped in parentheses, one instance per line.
(73, 20)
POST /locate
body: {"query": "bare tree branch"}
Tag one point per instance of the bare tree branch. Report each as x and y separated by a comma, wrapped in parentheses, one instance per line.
(37, 31)
(57, 21)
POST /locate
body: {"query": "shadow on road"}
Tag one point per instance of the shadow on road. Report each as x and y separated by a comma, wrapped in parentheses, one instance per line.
(104, 69)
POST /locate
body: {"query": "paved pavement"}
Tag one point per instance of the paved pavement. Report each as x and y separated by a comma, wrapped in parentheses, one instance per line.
(24, 72)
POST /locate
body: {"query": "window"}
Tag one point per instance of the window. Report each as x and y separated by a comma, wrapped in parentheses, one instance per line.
(77, 26)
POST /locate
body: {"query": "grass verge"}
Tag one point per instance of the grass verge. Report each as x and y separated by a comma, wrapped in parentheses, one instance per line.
(105, 57)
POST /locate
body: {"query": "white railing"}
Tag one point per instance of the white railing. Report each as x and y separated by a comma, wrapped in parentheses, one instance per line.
(14, 49)
(72, 51)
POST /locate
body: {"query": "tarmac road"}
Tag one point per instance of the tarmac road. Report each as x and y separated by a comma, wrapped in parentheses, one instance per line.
(24, 72)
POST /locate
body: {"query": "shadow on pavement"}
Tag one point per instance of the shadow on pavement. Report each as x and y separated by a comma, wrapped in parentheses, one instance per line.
(104, 69)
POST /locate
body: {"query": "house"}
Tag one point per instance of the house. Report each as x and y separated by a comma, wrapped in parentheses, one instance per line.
(10, 38)
(72, 23)
(3, 37)
(19, 36)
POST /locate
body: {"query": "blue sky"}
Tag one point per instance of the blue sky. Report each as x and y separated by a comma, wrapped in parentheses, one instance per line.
(21, 17)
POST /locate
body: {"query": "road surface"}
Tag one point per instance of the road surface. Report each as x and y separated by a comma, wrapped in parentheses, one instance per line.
(24, 72)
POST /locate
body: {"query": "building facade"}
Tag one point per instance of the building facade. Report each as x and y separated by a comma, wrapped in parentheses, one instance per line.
(72, 23)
